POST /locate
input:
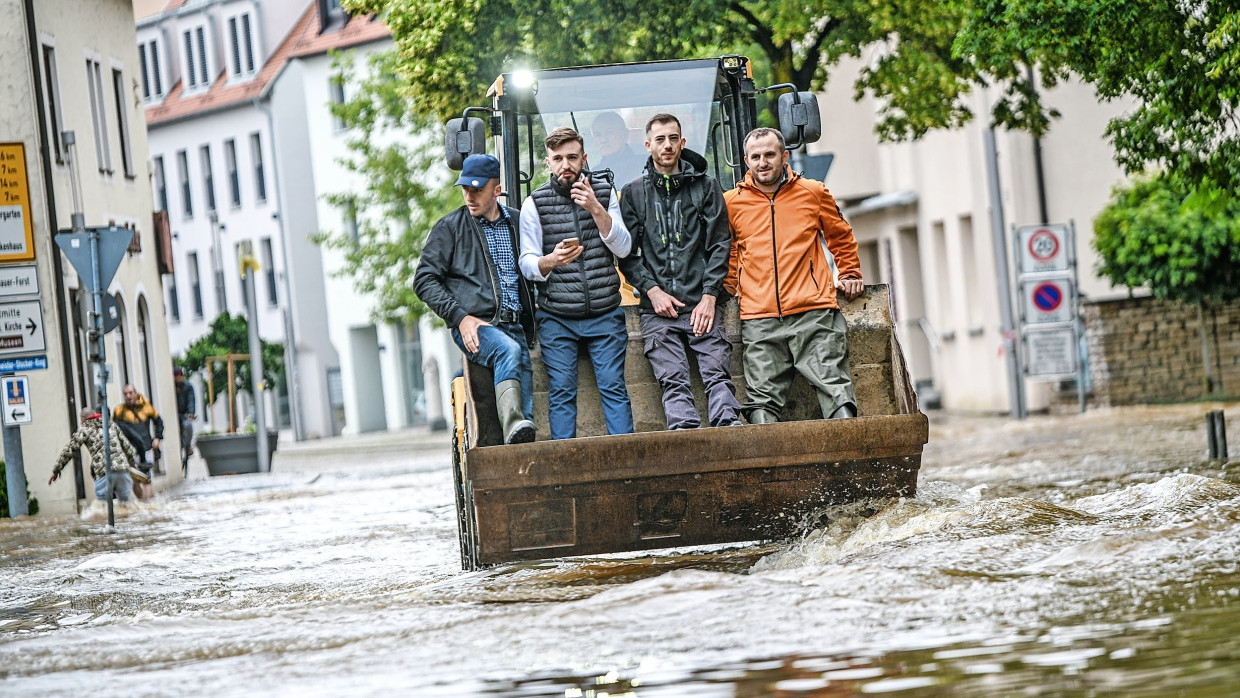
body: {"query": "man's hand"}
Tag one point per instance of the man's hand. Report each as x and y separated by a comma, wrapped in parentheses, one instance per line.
(52, 479)
(703, 317)
(851, 287)
(663, 303)
(469, 332)
(582, 194)
(155, 443)
(560, 255)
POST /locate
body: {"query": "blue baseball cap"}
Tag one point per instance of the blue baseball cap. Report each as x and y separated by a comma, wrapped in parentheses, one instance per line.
(477, 169)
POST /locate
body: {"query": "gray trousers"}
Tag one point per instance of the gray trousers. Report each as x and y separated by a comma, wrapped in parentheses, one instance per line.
(665, 340)
(813, 343)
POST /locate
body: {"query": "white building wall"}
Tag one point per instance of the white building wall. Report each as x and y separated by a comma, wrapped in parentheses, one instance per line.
(374, 375)
(937, 247)
(102, 31)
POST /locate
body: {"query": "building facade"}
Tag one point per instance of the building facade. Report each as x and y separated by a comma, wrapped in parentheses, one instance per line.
(208, 73)
(72, 77)
(392, 374)
(922, 214)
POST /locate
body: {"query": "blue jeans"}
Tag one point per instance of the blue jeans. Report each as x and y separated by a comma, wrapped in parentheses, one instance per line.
(502, 349)
(122, 486)
(605, 339)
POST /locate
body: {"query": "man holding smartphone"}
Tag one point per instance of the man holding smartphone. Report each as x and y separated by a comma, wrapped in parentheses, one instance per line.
(571, 236)
(681, 243)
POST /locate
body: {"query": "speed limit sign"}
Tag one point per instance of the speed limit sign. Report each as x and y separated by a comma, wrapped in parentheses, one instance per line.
(1042, 248)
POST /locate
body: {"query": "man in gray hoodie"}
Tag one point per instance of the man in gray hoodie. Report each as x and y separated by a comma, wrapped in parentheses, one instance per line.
(676, 216)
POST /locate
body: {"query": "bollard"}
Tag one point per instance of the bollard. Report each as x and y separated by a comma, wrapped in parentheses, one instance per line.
(1216, 435)
(1220, 434)
(1211, 439)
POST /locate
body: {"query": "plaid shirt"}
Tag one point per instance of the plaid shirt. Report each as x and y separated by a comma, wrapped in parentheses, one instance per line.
(499, 242)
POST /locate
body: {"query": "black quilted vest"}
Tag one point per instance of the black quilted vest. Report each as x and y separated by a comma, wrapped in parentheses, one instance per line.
(590, 286)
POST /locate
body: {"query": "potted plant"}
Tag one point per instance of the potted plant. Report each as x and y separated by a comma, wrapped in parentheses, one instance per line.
(220, 355)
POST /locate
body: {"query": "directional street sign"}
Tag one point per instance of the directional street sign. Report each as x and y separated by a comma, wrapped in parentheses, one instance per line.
(18, 280)
(113, 242)
(1043, 248)
(16, 400)
(21, 328)
(31, 363)
(1047, 300)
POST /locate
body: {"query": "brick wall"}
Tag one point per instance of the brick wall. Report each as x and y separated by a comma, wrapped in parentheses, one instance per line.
(1145, 350)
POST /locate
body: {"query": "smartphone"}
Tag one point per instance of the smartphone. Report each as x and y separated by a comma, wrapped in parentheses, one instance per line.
(572, 242)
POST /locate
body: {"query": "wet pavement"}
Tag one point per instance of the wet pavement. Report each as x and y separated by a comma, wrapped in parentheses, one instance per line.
(1096, 554)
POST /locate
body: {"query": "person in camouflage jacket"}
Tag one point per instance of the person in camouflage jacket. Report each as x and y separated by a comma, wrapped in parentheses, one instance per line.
(90, 435)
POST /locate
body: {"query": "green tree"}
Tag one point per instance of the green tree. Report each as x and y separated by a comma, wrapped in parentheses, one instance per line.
(396, 151)
(230, 334)
(450, 50)
(1154, 234)
(1177, 60)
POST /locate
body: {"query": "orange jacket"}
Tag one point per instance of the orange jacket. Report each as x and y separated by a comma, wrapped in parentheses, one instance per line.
(778, 266)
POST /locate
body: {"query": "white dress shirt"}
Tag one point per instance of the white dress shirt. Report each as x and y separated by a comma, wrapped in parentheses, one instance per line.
(617, 239)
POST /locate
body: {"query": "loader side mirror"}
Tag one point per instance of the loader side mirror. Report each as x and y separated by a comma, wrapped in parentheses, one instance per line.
(463, 137)
(799, 120)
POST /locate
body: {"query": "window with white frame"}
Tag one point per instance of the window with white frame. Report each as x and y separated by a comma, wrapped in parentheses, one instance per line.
(208, 178)
(122, 122)
(260, 177)
(195, 283)
(269, 269)
(197, 72)
(98, 115)
(336, 89)
(149, 64)
(51, 100)
(161, 184)
(174, 300)
(187, 197)
(234, 177)
(241, 46)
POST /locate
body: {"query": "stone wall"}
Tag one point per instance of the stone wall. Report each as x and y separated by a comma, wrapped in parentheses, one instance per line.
(1144, 350)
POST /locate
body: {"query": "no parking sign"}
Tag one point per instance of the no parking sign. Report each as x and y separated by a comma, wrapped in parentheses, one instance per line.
(1047, 300)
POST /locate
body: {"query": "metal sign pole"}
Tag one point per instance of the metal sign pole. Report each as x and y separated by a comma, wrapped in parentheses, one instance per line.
(15, 470)
(96, 328)
(1082, 363)
(1011, 338)
(249, 267)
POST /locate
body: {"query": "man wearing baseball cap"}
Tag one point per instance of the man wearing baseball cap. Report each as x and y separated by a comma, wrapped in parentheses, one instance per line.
(468, 276)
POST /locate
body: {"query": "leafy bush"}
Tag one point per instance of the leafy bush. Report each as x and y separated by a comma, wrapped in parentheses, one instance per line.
(229, 334)
(32, 504)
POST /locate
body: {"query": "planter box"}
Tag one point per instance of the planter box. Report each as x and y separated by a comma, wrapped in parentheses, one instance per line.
(233, 454)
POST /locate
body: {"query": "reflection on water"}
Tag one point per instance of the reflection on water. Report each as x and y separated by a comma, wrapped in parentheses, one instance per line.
(1064, 556)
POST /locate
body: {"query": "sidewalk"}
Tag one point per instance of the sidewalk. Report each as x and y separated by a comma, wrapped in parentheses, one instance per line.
(415, 441)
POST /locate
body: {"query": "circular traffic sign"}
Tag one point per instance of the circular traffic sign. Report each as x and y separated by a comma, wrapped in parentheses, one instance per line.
(1047, 296)
(1043, 245)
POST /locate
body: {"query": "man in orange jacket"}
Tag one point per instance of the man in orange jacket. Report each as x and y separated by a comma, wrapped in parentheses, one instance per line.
(782, 224)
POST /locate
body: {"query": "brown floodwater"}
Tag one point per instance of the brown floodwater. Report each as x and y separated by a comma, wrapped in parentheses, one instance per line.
(1094, 554)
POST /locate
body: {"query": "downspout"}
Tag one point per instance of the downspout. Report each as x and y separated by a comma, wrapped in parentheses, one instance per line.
(290, 343)
(1038, 173)
(36, 62)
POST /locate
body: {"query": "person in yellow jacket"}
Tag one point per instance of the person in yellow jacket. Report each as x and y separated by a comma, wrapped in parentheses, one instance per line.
(783, 225)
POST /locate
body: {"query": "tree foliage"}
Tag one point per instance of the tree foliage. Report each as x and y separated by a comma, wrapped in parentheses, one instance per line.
(395, 151)
(1177, 58)
(230, 334)
(451, 50)
(1152, 235)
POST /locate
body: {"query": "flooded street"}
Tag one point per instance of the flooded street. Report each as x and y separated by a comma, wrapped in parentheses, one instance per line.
(1078, 555)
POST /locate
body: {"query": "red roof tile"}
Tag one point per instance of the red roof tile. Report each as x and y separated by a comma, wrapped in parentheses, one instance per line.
(358, 30)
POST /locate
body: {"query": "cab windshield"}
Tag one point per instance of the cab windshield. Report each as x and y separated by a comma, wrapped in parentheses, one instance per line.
(610, 106)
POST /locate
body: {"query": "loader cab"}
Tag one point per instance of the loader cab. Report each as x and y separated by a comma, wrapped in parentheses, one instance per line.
(715, 100)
